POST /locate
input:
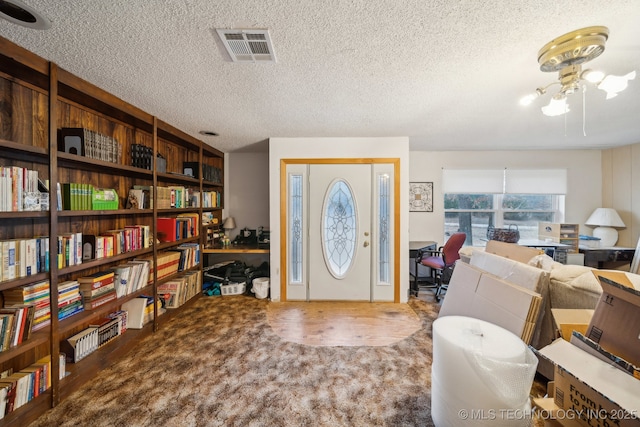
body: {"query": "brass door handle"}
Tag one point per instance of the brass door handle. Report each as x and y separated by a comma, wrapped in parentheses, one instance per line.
(366, 244)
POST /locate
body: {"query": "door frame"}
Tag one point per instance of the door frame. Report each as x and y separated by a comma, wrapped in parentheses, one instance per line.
(335, 161)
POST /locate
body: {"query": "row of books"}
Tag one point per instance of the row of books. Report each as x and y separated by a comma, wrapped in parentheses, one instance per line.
(131, 276)
(168, 264)
(90, 144)
(23, 257)
(183, 226)
(116, 241)
(175, 196)
(105, 286)
(210, 199)
(209, 173)
(96, 335)
(189, 255)
(19, 388)
(176, 292)
(141, 156)
(15, 325)
(20, 189)
(84, 197)
(140, 311)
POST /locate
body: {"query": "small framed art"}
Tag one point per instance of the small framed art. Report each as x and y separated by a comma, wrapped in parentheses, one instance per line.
(421, 197)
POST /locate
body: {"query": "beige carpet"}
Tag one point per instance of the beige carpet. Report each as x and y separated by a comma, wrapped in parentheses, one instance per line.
(221, 364)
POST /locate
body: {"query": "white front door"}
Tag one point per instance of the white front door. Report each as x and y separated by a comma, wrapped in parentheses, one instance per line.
(340, 210)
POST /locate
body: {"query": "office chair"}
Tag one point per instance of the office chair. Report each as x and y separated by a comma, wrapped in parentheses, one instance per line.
(441, 262)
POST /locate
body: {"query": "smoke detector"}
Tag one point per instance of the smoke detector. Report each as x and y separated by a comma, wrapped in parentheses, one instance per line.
(247, 45)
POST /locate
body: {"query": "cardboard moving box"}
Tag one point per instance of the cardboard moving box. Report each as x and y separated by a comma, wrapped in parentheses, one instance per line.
(475, 293)
(568, 320)
(615, 324)
(591, 391)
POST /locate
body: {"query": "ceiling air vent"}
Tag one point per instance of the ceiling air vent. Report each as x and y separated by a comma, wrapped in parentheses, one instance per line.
(248, 45)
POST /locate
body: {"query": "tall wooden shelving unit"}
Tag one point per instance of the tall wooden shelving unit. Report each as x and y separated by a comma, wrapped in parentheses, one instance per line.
(37, 99)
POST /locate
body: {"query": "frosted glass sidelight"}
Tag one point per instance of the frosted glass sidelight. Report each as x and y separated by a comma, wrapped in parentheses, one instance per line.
(339, 229)
(384, 217)
(295, 228)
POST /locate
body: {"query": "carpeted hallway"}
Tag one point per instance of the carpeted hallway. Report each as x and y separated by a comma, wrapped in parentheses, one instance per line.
(221, 364)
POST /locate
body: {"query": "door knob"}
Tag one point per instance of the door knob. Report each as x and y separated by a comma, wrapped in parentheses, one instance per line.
(366, 244)
(366, 233)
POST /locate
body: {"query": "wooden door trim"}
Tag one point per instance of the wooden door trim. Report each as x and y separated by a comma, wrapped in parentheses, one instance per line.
(284, 278)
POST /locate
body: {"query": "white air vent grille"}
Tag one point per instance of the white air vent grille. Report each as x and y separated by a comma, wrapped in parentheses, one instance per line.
(247, 45)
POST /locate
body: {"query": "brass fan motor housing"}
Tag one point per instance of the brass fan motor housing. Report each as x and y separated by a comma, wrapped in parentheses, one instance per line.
(574, 48)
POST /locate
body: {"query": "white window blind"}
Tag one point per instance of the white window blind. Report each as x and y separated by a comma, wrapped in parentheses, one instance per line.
(536, 181)
(508, 181)
(472, 181)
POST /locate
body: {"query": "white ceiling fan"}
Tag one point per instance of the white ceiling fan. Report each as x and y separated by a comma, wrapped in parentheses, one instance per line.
(566, 54)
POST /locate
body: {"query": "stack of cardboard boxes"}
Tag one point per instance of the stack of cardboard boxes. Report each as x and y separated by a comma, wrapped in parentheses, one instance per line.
(596, 379)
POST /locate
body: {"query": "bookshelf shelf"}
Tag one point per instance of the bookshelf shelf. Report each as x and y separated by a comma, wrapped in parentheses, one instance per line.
(113, 212)
(84, 163)
(24, 214)
(19, 151)
(82, 318)
(37, 338)
(100, 359)
(45, 99)
(178, 178)
(103, 261)
(10, 284)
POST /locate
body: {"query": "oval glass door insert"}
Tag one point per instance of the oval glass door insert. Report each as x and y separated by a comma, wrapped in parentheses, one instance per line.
(339, 228)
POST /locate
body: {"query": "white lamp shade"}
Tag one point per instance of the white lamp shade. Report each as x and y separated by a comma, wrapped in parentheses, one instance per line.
(229, 223)
(605, 217)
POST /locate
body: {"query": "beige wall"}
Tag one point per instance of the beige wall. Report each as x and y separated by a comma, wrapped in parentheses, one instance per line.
(584, 176)
(621, 189)
(247, 190)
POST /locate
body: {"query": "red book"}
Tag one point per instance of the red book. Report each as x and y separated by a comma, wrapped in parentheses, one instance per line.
(96, 280)
(101, 300)
(166, 229)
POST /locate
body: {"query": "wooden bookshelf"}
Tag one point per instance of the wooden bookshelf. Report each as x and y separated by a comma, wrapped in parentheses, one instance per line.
(41, 99)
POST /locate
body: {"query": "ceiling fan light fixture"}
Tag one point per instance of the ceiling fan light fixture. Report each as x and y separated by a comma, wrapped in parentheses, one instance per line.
(592, 76)
(615, 84)
(557, 106)
(573, 48)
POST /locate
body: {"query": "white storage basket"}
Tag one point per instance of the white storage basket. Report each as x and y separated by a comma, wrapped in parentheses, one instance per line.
(233, 288)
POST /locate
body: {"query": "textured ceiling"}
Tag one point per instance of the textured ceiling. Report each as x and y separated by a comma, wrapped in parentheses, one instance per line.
(448, 74)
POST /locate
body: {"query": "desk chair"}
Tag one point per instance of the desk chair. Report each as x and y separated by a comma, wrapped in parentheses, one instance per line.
(441, 262)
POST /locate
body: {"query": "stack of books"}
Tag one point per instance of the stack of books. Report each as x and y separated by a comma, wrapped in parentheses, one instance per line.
(69, 299)
(36, 294)
(97, 289)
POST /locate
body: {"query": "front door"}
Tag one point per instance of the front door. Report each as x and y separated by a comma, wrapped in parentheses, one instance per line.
(340, 211)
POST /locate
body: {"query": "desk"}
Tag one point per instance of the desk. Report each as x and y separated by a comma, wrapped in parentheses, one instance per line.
(415, 266)
(247, 253)
(607, 257)
(557, 251)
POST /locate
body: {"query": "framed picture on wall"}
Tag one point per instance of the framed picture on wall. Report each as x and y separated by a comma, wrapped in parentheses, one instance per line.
(421, 197)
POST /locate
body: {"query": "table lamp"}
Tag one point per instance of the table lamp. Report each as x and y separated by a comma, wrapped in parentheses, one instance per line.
(606, 220)
(228, 224)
